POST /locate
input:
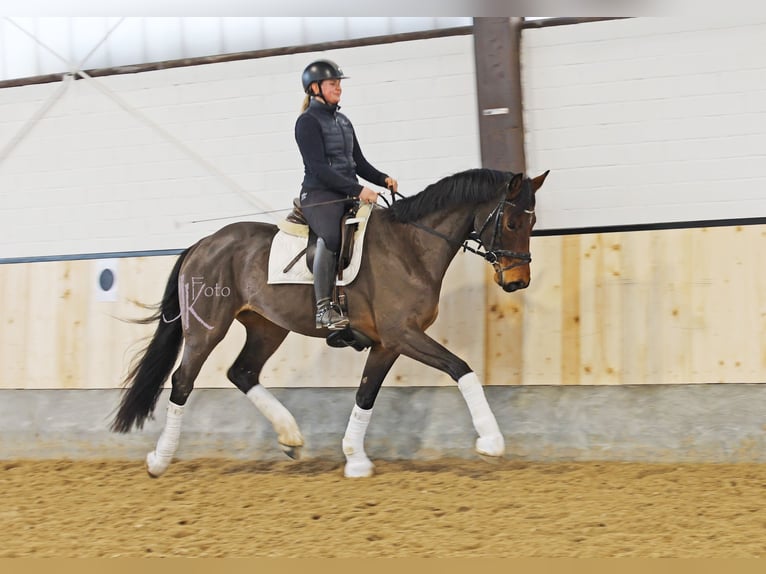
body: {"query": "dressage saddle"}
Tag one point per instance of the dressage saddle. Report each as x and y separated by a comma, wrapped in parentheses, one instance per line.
(348, 228)
(348, 337)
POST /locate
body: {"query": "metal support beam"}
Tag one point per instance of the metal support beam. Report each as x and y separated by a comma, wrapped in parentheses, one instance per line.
(498, 84)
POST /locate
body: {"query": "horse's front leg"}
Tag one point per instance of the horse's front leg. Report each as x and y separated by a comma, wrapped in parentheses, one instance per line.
(379, 362)
(419, 346)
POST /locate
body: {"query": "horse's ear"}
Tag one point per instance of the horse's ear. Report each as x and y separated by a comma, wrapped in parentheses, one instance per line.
(537, 182)
(514, 186)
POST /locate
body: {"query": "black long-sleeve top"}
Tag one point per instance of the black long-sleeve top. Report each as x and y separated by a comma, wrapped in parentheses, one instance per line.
(318, 172)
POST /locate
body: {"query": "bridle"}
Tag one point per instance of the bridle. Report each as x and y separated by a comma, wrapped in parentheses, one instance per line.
(491, 255)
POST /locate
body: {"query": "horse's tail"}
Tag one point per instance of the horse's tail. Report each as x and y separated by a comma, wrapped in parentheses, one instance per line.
(152, 365)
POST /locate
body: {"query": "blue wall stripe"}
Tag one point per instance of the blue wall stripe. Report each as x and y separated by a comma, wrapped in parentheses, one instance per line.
(81, 256)
(537, 233)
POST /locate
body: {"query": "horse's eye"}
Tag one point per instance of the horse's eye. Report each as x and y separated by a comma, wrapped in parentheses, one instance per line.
(511, 224)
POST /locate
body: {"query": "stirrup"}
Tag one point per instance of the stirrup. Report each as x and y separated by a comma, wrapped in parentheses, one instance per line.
(329, 316)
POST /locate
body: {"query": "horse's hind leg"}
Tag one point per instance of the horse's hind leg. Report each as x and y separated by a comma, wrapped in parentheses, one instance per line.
(379, 362)
(196, 350)
(263, 339)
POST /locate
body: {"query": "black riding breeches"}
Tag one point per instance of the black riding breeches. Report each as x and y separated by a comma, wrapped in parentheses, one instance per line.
(325, 216)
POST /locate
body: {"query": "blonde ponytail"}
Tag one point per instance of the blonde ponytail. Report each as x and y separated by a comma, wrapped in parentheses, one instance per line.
(306, 101)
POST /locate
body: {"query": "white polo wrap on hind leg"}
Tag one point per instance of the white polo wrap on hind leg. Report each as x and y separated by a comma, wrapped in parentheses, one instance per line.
(357, 463)
(158, 460)
(280, 418)
(490, 441)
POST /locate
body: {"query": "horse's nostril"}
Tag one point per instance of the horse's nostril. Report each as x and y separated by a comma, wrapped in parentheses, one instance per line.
(514, 286)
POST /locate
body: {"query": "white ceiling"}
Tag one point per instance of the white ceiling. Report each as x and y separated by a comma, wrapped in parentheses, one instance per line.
(50, 45)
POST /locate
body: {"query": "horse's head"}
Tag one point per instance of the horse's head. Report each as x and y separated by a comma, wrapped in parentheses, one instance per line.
(505, 232)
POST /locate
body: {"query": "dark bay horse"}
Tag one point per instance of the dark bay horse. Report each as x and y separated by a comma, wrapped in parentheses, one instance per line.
(392, 301)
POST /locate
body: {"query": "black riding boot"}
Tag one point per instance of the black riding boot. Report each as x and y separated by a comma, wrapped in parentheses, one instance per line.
(324, 279)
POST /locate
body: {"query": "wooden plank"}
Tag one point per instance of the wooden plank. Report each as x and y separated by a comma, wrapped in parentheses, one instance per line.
(69, 323)
(591, 294)
(40, 299)
(636, 283)
(571, 310)
(611, 324)
(542, 323)
(504, 334)
(15, 323)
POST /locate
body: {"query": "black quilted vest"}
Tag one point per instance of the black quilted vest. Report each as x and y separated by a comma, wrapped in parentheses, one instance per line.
(338, 136)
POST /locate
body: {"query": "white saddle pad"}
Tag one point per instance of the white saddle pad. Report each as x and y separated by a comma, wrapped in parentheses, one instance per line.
(291, 239)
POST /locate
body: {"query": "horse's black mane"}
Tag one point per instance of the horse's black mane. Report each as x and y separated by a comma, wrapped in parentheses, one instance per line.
(471, 186)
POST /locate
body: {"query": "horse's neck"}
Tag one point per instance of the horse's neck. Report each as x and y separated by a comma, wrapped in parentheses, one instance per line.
(450, 229)
(454, 222)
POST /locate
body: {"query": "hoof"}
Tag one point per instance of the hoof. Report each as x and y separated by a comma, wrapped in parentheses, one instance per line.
(359, 469)
(294, 452)
(154, 468)
(491, 446)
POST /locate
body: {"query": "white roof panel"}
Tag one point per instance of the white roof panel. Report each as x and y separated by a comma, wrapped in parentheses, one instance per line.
(51, 45)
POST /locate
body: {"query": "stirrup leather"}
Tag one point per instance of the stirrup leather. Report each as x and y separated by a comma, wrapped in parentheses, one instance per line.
(329, 316)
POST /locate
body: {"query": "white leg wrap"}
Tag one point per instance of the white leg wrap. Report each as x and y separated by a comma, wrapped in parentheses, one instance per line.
(158, 460)
(280, 418)
(357, 463)
(490, 441)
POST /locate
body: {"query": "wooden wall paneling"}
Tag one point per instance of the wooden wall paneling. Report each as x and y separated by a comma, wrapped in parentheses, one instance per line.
(703, 279)
(734, 325)
(40, 296)
(571, 301)
(650, 307)
(72, 291)
(747, 314)
(758, 271)
(15, 323)
(611, 334)
(504, 333)
(667, 275)
(712, 306)
(590, 258)
(542, 322)
(636, 283)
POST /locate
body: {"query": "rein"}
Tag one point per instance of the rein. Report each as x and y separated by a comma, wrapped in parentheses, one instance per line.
(491, 255)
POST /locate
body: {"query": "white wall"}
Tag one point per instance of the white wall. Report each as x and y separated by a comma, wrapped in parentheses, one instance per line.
(647, 120)
(92, 176)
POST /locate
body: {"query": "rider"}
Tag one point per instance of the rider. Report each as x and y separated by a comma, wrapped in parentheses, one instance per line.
(332, 159)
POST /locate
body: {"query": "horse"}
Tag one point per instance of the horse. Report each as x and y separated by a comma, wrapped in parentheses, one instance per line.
(391, 302)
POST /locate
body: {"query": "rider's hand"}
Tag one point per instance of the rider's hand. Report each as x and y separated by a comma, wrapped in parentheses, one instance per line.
(392, 184)
(368, 196)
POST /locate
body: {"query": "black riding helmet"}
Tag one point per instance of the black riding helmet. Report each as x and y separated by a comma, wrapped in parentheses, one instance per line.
(319, 71)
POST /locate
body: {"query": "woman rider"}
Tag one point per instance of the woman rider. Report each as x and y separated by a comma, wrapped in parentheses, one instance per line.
(332, 159)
